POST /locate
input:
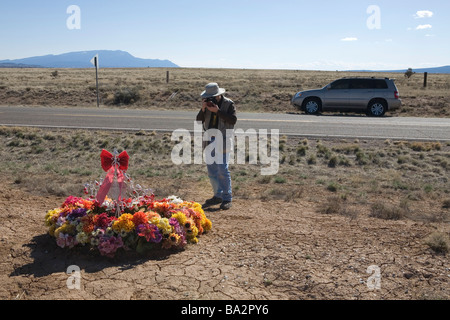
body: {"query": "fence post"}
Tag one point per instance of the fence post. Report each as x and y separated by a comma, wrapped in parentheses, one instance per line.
(167, 77)
(425, 79)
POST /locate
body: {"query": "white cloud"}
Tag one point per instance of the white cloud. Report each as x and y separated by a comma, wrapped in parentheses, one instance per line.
(423, 14)
(424, 26)
(349, 39)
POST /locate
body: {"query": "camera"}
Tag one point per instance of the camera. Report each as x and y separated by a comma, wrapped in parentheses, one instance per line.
(211, 99)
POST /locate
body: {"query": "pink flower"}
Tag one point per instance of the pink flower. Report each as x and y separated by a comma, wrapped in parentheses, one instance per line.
(109, 245)
(65, 240)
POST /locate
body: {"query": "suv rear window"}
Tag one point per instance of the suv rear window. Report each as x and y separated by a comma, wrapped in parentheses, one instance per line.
(368, 84)
(340, 84)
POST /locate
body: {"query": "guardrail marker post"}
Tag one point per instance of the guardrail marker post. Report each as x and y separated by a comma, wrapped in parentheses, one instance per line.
(94, 61)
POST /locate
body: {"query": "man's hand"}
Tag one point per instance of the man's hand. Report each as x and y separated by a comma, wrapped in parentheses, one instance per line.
(204, 105)
(214, 108)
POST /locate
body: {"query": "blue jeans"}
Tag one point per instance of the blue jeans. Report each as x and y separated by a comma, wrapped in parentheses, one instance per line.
(220, 178)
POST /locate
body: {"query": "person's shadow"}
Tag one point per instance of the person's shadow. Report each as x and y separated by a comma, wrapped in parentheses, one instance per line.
(48, 258)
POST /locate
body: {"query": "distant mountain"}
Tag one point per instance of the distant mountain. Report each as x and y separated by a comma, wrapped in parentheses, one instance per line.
(17, 65)
(444, 69)
(107, 59)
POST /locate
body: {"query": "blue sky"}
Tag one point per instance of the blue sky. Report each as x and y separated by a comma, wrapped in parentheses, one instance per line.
(262, 34)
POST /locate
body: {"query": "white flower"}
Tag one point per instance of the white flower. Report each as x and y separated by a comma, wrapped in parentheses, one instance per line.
(108, 205)
(175, 199)
(94, 242)
(82, 238)
(79, 227)
(109, 232)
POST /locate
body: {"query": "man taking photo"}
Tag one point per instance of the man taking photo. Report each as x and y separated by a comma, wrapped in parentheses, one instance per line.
(218, 112)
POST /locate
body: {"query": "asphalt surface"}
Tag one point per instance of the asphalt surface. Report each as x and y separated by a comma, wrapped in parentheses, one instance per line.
(323, 126)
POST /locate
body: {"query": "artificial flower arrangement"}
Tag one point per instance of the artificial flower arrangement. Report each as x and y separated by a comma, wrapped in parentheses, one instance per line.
(137, 223)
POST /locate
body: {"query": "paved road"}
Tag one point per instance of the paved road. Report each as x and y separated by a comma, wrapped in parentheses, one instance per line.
(288, 124)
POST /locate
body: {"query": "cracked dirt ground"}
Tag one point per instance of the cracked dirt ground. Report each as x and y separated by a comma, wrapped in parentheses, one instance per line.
(257, 250)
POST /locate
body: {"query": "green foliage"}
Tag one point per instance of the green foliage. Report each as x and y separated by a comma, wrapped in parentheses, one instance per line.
(126, 96)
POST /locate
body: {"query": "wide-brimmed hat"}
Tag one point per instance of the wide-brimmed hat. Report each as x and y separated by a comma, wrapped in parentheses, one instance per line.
(212, 90)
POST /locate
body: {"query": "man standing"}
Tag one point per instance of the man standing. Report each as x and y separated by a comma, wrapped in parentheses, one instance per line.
(218, 112)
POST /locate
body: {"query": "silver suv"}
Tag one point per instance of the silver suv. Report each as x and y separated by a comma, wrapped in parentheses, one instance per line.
(374, 96)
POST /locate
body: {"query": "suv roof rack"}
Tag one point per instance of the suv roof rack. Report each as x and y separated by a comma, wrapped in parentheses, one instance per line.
(364, 78)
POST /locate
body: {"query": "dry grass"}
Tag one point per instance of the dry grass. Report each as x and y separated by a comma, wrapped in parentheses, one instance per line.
(438, 242)
(305, 233)
(366, 179)
(252, 90)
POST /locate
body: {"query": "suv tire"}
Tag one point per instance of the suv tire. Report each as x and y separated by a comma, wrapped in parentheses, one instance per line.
(312, 106)
(377, 108)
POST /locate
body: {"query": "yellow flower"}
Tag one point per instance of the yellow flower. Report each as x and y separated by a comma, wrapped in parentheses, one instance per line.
(155, 220)
(153, 215)
(192, 205)
(164, 225)
(207, 225)
(66, 228)
(51, 230)
(198, 207)
(192, 232)
(180, 217)
(174, 239)
(51, 217)
(124, 223)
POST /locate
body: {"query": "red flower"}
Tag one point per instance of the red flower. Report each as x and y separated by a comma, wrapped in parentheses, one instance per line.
(140, 218)
(88, 223)
(150, 232)
(102, 221)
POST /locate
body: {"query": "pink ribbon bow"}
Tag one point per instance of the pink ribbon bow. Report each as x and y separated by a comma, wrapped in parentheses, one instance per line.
(115, 165)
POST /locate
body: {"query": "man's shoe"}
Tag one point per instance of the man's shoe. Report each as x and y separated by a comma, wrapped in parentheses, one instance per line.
(226, 205)
(213, 201)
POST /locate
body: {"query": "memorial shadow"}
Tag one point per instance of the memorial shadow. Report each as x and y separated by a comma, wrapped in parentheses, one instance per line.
(210, 209)
(48, 258)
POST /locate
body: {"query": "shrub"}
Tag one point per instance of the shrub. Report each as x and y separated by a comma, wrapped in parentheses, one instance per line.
(343, 161)
(312, 159)
(265, 179)
(332, 206)
(126, 96)
(333, 161)
(280, 180)
(323, 151)
(409, 73)
(383, 211)
(301, 150)
(446, 204)
(333, 186)
(438, 242)
(425, 146)
(337, 205)
(361, 158)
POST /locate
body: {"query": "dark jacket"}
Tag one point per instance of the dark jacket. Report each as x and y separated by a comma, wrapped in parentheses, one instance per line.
(226, 119)
(226, 114)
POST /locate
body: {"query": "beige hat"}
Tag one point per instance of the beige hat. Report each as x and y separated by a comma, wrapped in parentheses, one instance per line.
(212, 90)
